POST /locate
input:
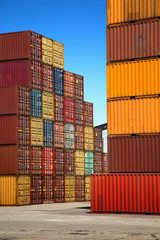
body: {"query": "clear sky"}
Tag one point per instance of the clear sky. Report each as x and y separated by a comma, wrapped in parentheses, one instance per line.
(80, 25)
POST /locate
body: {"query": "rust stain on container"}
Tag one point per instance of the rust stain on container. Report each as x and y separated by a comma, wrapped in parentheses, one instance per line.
(79, 137)
(59, 134)
(88, 114)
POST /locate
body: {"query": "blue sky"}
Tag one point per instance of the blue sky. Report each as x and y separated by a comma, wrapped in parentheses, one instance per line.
(80, 25)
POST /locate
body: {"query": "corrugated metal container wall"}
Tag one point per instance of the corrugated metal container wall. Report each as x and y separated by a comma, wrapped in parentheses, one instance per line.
(15, 130)
(69, 162)
(68, 84)
(78, 87)
(69, 136)
(36, 160)
(89, 163)
(79, 163)
(58, 108)
(126, 10)
(134, 116)
(125, 193)
(47, 78)
(48, 133)
(48, 105)
(88, 138)
(48, 161)
(36, 132)
(105, 162)
(58, 134)
(80, 188)
(21, 45)
(70, 188)
(36, 103)
(134, 154)
(88, 114)
(59, 161)
(98, 147)
(59, 189)
(58, 54)
(98, 166)
(48, 189)
(88, 188)
(36, 189)
(24, 73)
(58, 81)
(135, 78)
(79, 137)
(14, 160)
(136, 40)
(14, 100)
(69, 110)
(47, 50)
(79, 112)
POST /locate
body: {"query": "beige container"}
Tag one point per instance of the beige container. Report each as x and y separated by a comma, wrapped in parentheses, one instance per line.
(47, 50)
(69, 188)
(79, 162)
(88, 138)
(58, 55)
(36, 131)
(48, 105)
(87, 188)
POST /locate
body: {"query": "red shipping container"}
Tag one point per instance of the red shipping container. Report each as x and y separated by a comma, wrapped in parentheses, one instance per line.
(59, 189)
(79, 112)
(47, 78)
(36, 189)
(58, 108)
(15, 130)
(98, 162)
(59, 161)
(36, 160)
(78, 87)
(80, 188)
(68, 84)
(98, 147)
(24, 73)
(134, 154)
(125, 193)
(59, 134)
(48, 161)
(69, 110)
(88, 114)
(21, 45)
(105, 162)
(79, 137)
(69, 162)
(48, 189)
(14, 160)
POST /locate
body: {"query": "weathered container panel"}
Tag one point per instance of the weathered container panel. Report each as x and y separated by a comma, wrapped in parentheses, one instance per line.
(36, 103)
(69, 110)
(79, 137)
(58, 54)
(69, 162)
(58, 134)
(88, 138)
(58, 81)
(48, 133)
(89, 163)
(87, 188)
(48, 189)
(70, 188)
(69, 135)
(79, 162)
(88, 114)
(80, 188)
(59, 161)
(68, 84)
(78, 87)
(98, 167)
(48, 161)
(36, 160)
(48, 106)
(47, 78)
(98, 147)
(79, 118)
(36, 132)
(36, 189)
(58, 108)
(59, 189)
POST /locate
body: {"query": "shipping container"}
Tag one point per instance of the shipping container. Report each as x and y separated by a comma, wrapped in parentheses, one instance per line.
(127, 11)
(88, 114)
(59, 161)
(36, 189)
(98, 166)
(58, 134)
(58, 55)
(80, 188)
(88, 138)
(21, 45)
(79, 112)
(47, 78)
(14, 190)
(24, 73)
(125, 193)
(98, 146)
(87, 188)
(15, 130)
(105, 162)
(70, 188)
(58, 81)
(78, 87)
(89, 163)
(136, 116)
(48, 106)
(47, 50)
(59, 189)
(135, 78)
(36, 103)
(48, 189)
(48, 133)
(69, 136)
(69, 162)
(135, 40)
(14, 100)
(79, 162)
(79, 137)
(69, 110)
(68, 84)
(36, 132)
(58, 108)
(36, 160)
(48, 161)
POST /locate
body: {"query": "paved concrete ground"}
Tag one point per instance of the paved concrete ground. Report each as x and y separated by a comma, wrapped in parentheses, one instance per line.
(73, 221)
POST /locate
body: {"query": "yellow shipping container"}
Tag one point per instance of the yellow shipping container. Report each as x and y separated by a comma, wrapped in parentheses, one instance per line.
(14, 190)
(36, 131)
(47, 50)
(136, 116)
(58, 55)
(69, 188)
(48, 105)
(88, 138)
(87, 188)
(119, 11)
(137, 78)
(79, 162)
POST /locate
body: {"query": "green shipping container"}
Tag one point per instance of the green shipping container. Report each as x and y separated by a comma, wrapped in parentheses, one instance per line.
(89, 163)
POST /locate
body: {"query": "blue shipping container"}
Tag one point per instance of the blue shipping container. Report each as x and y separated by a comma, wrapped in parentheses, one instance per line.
(36, 103)
(89, 163)
(48, 132)
(58, 81)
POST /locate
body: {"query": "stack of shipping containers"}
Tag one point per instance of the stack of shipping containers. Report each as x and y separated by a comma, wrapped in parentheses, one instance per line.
(133, 110)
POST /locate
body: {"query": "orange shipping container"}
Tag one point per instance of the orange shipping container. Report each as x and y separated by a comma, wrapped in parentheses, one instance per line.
(68, 84)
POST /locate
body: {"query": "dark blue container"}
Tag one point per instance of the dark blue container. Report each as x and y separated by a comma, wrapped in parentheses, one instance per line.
(36, 103)
(58, 81)
(48, 133)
